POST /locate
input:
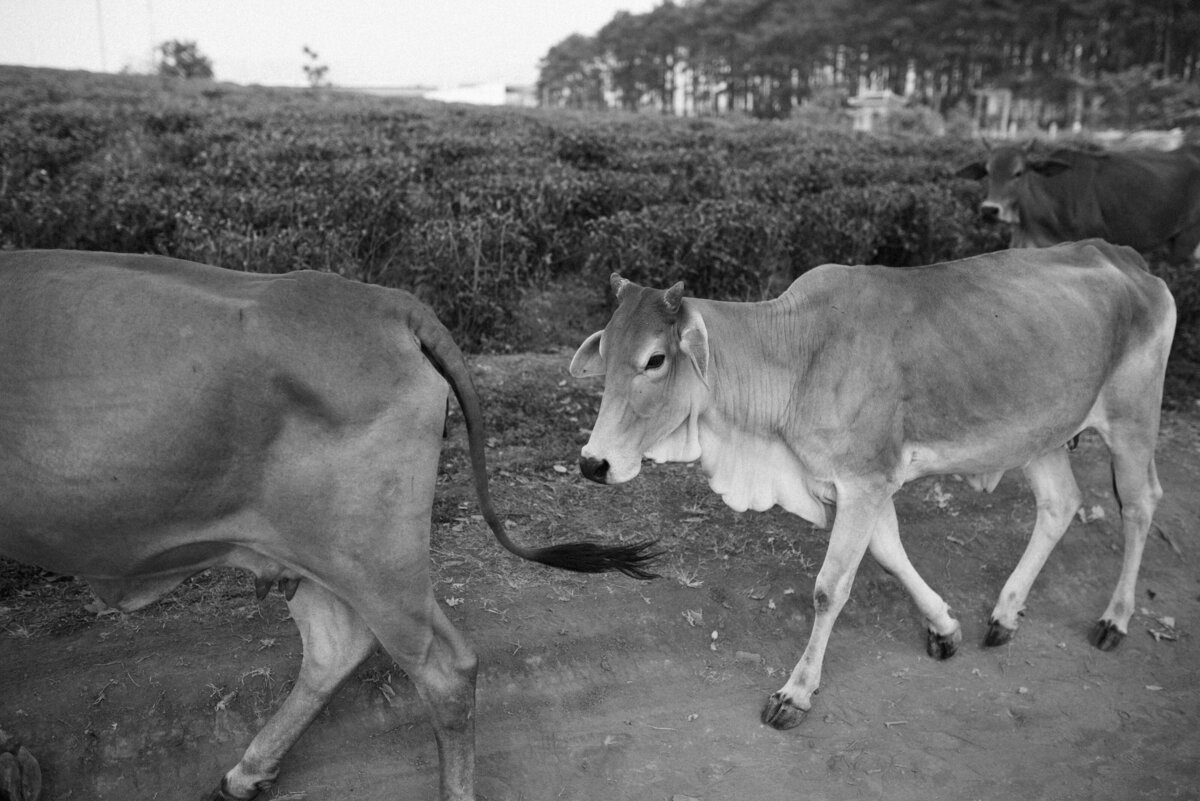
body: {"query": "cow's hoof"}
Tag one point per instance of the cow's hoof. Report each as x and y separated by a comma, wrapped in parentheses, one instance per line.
(10, 778)
(997, 634)
(780, 713)
(20, 776)
(1105, 635)
(222, 793)
(31, 774)
(942, 646)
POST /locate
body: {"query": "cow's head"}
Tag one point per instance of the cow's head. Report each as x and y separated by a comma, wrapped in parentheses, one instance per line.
(654, 358)
(1008, 169)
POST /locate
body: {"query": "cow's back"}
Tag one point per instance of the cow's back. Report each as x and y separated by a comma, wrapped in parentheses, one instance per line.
(1138, 198)
(948, 351)
(143, 400)
(884, 302)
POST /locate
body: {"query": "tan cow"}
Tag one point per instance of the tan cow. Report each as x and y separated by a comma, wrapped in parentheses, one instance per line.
(159, 417)
(860, 379)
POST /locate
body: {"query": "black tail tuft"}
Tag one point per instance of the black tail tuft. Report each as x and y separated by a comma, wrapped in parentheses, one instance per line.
(582, 557)
(587, 557)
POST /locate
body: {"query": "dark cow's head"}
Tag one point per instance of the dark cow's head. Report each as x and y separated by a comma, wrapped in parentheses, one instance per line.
(654, 358)
(1008, 169)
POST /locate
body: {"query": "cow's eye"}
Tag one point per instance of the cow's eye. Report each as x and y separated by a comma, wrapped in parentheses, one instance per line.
(655, 361)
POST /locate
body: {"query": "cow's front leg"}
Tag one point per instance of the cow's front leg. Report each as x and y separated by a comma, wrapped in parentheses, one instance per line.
(857, 515)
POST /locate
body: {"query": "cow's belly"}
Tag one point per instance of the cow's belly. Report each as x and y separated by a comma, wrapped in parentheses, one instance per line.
(130, 569)
(973, 431)
(109, 536)
(984, 456)
(98, 488)
(59, 508)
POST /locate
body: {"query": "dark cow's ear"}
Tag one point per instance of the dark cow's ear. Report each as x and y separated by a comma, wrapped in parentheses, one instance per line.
(1048, 167)
(972, 172)
(618, 284)
(673, 298)
(588, 361)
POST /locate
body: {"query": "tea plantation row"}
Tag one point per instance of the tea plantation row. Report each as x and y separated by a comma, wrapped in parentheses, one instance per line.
(467, 207)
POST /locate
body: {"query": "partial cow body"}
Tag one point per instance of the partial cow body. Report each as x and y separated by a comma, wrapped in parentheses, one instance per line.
(860, 379)
(160, 417)
(1145, 199)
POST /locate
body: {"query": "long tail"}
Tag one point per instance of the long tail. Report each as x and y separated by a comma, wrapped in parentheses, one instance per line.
(583, 557)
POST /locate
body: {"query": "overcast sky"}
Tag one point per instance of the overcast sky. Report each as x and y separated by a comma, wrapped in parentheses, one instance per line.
(364, 42)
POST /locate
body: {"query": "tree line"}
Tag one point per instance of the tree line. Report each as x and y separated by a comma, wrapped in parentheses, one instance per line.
(768, 56)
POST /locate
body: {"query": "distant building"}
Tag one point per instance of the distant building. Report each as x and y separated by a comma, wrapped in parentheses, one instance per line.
(391, 91)
(476, 94)
(872, 106)
(479, 94)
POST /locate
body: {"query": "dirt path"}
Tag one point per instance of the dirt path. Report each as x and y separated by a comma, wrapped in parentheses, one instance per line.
(603, 688)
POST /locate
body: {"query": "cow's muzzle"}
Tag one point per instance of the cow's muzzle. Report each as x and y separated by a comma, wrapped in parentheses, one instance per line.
(594, 469)
(990, 212)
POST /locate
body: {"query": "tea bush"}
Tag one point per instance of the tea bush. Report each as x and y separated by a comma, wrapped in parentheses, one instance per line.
(729, 249)
(471, 207)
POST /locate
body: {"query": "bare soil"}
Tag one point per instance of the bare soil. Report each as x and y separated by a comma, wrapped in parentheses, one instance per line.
(607, 688)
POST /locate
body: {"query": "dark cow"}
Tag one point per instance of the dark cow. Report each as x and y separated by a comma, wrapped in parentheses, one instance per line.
(858, 380)
(1144, 199)
(159, 417)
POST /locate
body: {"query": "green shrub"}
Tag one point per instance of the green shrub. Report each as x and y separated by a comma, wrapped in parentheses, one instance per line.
(721, 249)
(1184, 366)
(471, 208)
(899, 225)
(461, 269)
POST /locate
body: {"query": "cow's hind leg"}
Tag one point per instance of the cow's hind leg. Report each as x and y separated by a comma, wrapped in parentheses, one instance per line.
(1058, 499)
(442, 666)
(1135, 482)
(336, 641)
(943, 632)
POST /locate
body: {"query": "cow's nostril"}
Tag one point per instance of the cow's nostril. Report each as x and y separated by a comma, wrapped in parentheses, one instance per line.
(990, 213)
(594, 469)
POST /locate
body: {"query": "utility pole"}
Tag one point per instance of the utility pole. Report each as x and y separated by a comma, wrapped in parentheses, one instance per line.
(100, 34)
(153, 40)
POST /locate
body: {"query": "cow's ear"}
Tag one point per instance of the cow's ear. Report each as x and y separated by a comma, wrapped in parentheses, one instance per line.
(972, 172)
(588, 361)
(1048, 167)
(693, 340)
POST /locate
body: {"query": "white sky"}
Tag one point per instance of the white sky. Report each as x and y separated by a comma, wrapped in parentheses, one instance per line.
(364, 42)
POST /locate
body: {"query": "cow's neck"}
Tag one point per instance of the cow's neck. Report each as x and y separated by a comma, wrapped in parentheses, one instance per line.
(758, 354)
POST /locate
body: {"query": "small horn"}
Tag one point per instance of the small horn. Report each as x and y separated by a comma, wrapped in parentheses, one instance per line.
(618, 284)
(673, 298)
